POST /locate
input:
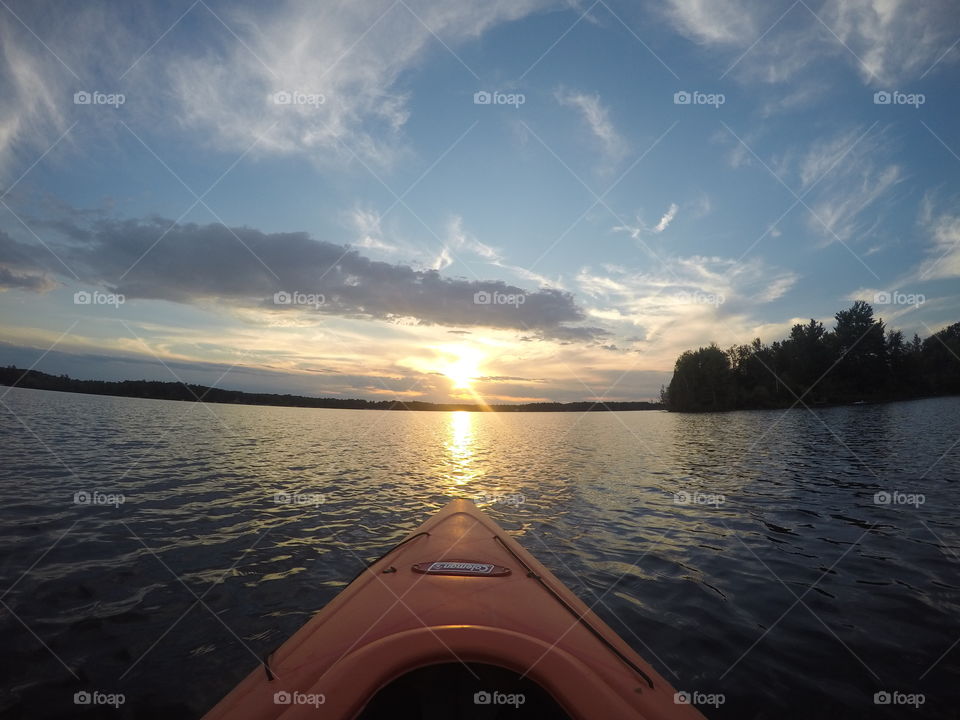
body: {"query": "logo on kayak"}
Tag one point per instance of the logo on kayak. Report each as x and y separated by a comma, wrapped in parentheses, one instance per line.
(461, 567)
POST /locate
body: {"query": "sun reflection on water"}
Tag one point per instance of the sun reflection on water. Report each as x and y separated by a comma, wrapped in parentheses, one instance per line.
(459, 465)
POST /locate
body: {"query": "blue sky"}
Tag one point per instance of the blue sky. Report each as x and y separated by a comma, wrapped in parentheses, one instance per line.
(613, 224)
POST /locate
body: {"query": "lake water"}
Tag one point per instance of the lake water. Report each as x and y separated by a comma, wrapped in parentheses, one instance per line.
(781, 506)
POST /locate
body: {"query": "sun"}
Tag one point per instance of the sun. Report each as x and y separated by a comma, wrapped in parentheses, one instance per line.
(463, 367)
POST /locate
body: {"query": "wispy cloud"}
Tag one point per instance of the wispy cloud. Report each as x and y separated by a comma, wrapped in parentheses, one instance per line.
(343, 61)
(689, 301)
(943, 251)
(849, 175)
(461, 244)
(715, 21)
(368, 226)
(463, 241)
(895, 40)
(797, 98)
(667, 218)
(839, 179)
(886, 41)
(443, 260)
(597, 117)
(922, 299)
(635, 231)
(352, 57)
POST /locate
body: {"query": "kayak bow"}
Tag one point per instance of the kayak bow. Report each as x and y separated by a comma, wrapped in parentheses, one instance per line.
(454, 620)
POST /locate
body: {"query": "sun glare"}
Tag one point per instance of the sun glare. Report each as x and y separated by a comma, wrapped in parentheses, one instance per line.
(464, 367)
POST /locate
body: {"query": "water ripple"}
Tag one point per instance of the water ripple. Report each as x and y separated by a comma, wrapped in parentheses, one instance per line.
(693, 536)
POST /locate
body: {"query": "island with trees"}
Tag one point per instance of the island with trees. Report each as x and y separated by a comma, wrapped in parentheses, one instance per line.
(858, 361)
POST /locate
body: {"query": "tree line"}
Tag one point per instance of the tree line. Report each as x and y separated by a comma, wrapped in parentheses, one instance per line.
(859, 360)
(159, 390)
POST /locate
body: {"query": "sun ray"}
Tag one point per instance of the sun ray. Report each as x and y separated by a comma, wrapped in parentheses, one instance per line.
(463, 368)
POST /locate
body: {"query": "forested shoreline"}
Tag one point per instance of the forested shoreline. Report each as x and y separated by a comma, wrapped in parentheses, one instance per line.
(859, 360)
(159, 390)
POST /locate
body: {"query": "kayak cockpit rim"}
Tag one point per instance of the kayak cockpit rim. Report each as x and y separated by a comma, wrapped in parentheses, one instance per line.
(579, 617)
(266, 657)
(531, 574)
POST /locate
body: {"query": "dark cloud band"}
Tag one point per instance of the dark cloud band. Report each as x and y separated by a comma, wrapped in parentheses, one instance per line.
(287, 272)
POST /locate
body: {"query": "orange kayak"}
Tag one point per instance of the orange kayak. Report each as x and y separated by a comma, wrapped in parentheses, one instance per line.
(456, 621)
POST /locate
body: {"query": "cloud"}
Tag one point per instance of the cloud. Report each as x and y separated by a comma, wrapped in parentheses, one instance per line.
(10, 280)
(738, 155)
(841, 178)
(840, 214)
(887, 41)
(42, 67)
(801, 96)
(942, 252)
(702, 206)
(19, 268)
(463, 241)
(34, 92)
(352, 55)
(243, 268)
(597, 118)
(939, 260)
(667, 218)
(635, 231)
(460, 243)
(894, 39)
(945, 249)
(443, 260)
(224, 84)
(726, 22)
(367, 224)
(691, 301)
(847, 176)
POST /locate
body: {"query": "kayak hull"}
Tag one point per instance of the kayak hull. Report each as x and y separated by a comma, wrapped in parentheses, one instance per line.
(506, 609)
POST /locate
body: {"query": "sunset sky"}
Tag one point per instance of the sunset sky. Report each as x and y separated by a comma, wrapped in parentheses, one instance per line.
(316, 198)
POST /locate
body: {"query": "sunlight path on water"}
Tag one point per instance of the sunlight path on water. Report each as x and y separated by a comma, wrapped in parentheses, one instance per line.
(458, 469)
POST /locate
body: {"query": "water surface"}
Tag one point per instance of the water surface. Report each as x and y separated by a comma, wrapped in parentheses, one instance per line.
(783, 585)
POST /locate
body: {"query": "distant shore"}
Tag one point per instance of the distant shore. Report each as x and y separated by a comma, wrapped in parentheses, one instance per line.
(158, 390)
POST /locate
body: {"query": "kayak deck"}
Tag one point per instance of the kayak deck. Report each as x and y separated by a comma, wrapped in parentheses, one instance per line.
(460, 596)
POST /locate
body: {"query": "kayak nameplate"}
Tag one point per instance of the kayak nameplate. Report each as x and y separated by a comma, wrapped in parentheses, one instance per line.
(468, 568)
